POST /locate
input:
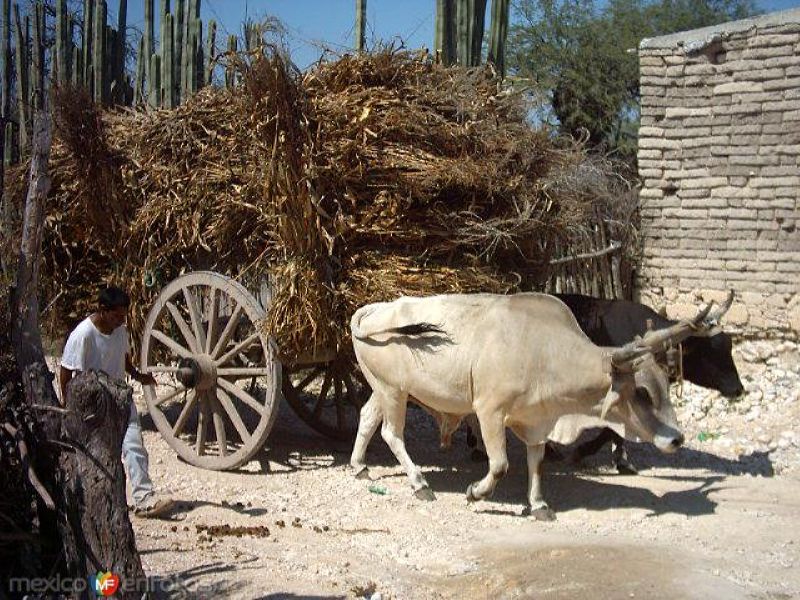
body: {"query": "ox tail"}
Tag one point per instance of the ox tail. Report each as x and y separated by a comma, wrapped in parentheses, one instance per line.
(410, 330)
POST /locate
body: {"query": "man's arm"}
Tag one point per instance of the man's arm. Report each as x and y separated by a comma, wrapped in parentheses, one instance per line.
(64, 377)
(136, 375)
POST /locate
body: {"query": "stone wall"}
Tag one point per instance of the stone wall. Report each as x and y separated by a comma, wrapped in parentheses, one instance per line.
(719, 155)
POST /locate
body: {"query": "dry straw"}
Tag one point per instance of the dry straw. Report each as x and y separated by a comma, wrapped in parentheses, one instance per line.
(363, 179)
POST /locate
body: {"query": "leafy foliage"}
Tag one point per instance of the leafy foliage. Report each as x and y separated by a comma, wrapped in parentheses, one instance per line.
(580, 55)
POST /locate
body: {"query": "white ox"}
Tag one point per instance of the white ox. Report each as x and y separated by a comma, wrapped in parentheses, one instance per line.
(518, 361)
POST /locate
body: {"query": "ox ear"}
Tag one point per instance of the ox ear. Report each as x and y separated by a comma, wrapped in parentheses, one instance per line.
(610, 401)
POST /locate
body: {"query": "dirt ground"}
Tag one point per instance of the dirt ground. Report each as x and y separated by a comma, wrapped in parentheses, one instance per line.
(693, 525)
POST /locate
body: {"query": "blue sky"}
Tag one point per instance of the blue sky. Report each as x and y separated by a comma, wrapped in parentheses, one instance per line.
(316, 25)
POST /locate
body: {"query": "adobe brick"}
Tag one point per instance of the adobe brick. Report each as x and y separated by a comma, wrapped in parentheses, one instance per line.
(783, 105)
(782, 84)
(767, 52)
(687, 132)
(782, 61)
(770, 40)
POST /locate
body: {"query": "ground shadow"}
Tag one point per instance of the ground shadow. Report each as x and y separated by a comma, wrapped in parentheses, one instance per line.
(286, 596)
(644, 456)
(187, 584)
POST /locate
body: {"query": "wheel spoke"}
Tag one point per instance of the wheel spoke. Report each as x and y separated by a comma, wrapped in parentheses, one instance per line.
(351, 391)
(212, 320)
(243, 345)
(202, 428)
(176, 392)
(323, 393)
(229, 329)
(172, 344)
(194, 314)
(339, 400)
(241, 394)
(309, 378)
(226, 403)
(219, 426)
(239, 372)
(187, 409)
(184, 327)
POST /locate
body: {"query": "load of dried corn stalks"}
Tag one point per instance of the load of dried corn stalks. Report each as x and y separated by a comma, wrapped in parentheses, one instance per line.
(366, 178)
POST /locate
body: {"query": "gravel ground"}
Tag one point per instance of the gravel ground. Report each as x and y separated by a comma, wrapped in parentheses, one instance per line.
(719, 519)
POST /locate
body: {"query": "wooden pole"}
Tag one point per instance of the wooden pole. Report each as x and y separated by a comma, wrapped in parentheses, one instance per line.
(25, 334)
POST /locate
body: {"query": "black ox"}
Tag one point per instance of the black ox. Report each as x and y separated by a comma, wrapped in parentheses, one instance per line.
(707, 360)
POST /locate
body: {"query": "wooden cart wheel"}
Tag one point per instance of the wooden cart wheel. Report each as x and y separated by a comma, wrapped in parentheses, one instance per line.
(327, 396)
(217, 375)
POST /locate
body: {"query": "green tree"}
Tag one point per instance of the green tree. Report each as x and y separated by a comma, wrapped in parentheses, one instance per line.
(580, 55)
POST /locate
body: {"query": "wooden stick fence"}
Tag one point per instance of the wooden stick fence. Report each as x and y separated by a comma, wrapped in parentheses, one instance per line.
(591, 265)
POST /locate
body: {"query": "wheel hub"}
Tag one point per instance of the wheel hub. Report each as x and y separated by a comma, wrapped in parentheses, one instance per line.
(199, 372)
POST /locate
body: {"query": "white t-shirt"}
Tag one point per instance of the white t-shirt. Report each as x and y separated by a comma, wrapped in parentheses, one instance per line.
(89, 349)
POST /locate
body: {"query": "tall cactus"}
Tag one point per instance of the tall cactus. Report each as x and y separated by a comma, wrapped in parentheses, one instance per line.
(5, 76)
(497, 35)
(361, 25)
(199, 61)
(120, 51)
(445, 34)
(99, 52)
(470, 25)
(77, 66)
(139, 82)
(154, 83)
(88, 39)
(5, 66)
(478, 27)
(8, 144)
(22, 65)
(62, 43)
(149, 31)
(37, 54)
(177, 40)
(230, 71)
(186, 50)
(211, 51)
(169, 96)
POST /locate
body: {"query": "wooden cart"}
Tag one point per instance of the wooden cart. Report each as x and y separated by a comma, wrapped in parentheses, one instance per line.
(220, 378)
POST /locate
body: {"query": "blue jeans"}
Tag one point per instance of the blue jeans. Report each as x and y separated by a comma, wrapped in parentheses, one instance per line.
(135, 457)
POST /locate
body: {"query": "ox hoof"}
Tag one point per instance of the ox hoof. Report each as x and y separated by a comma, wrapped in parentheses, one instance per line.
(626, 469)
(478, 456)
(543, 513)
(471, 496)
(425, 494)
(363, 474)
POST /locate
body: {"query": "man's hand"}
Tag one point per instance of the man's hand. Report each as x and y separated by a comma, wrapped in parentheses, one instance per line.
(143, 378)
(146, 379)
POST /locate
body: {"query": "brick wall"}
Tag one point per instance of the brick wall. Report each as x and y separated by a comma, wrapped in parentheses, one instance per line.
(719, 154)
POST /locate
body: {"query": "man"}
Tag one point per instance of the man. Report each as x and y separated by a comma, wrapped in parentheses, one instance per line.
(100, 343)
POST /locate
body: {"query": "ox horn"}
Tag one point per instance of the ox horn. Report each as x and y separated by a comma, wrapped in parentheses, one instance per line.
(653, 341)
(715, 315)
